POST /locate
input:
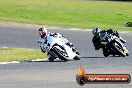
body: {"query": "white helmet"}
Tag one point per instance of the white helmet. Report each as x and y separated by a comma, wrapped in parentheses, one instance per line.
(43, 31)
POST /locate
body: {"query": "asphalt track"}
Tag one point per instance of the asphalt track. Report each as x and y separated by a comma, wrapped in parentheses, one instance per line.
(58, 74)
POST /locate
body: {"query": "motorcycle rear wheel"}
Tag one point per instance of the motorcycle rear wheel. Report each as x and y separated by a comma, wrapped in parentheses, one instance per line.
(77, 57)
(105, 52)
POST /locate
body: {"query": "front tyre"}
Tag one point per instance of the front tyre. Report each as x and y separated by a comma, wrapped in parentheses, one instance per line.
(127, 54)
(51, 59)
(119, 49)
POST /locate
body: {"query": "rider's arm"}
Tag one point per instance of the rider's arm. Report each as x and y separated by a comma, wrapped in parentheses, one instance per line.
(41, 41)
(42, 50)
(96, 42)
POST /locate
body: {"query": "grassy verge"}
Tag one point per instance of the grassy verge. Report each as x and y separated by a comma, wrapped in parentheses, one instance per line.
(68, 13)
(20, 54)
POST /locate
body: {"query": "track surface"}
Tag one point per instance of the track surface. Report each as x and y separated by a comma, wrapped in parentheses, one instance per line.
(58, 74)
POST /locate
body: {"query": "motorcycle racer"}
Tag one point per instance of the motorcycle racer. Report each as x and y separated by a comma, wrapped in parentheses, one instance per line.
(110, 42)
(43, 33)
(98, 33)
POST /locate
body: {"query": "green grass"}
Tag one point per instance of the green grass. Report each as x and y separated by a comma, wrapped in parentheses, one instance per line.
(20, 54)
(68, 13)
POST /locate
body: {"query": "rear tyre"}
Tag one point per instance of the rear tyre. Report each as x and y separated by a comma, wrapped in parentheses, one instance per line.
(105, 52)
(113, 55)
(77, 57)
(59, 54)
(127, 54)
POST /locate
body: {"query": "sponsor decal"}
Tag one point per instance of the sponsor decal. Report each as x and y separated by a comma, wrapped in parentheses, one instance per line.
(83, 78)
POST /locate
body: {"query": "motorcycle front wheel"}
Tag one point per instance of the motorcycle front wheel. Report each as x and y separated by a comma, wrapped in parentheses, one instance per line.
(119, 49)
(60, 54)
(51, 59)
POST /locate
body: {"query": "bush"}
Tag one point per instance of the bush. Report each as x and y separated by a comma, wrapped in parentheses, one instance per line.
(128, 24)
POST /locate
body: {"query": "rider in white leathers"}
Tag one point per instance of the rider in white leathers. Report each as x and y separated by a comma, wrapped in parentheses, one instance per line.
(43, 33)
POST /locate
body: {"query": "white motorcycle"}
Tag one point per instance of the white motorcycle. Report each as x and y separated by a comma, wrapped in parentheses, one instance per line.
(56, 47)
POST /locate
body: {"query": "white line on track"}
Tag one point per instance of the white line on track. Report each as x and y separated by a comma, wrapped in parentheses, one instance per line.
(44, 59)
(77, 29)
(13, 62)
(17, 62)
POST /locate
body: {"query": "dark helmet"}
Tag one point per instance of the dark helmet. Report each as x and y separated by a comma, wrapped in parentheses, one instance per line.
(96, 31)
(110, 31)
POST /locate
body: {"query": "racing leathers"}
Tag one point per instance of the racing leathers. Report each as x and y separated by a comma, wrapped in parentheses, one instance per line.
(56, 35)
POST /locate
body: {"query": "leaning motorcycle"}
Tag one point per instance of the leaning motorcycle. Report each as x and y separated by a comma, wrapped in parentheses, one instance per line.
(111, 44)
(57, 48)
